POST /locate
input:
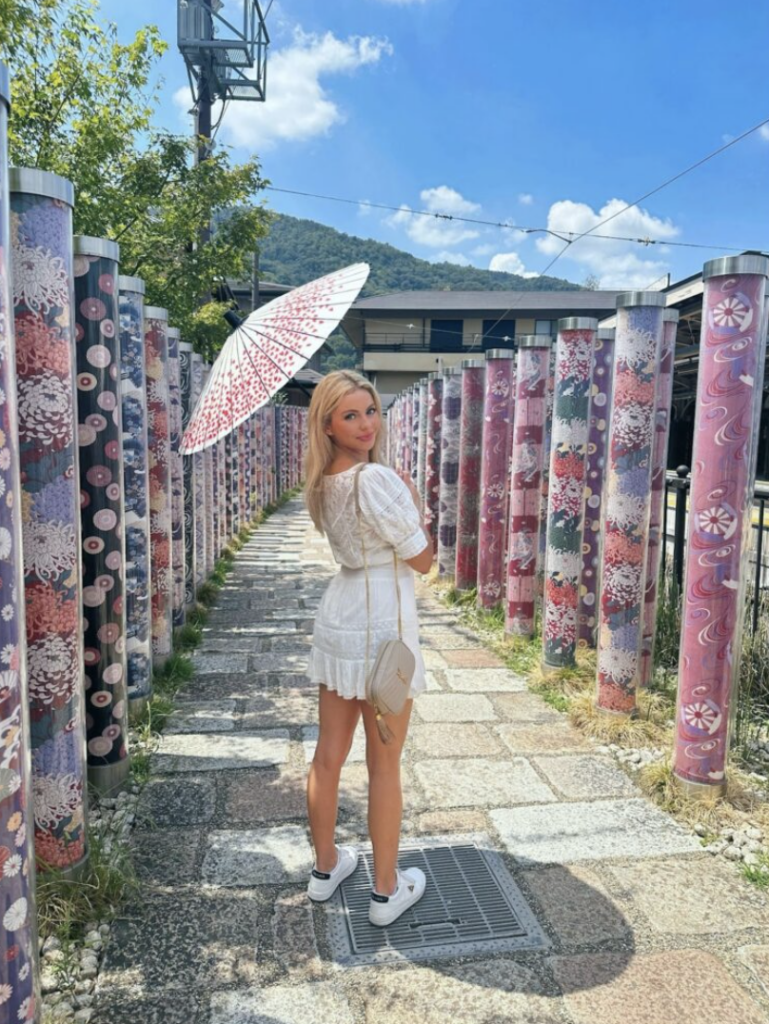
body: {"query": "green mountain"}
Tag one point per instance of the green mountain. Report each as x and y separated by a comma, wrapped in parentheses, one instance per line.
(296, 251)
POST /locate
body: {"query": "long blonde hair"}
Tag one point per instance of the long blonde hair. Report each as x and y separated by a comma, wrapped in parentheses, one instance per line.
(321, 450)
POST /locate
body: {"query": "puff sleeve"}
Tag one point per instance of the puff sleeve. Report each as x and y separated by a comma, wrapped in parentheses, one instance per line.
(389, 511)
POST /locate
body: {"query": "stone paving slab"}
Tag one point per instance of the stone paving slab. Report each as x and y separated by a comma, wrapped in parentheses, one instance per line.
(525, 708)
(756, 959)
(203, 716)
(454, 707)
(472, 659)
(480, 783)
(674, 986)
(579, 831)
(284, 707)
(545, 737)
(207, 752)
(449, 641)
(262, 856)
(135, 1005)
(265, 795)
(166, 858)
(577, 905)
(677, 897)
(353, 791)
(318, 1002)
(293, 933)
(459, 739)
(585, 776)
(357, 751)
(176, 803)
(219, 664)
(284, 662)
(484, 680)
(246, 624)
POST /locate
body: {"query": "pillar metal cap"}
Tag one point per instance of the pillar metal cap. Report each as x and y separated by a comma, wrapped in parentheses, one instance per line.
(605, 333)
(452, 371)
(625, 299)
(473, 364)
(173, 332)
(537, 340)
(41, 183)
(131, 284)
(87, 245)
(5, 84)
(155, 313)
(670, 316)
(184, 346)
(500, 353)
(432, 376)
(726, 266)
(578, 323)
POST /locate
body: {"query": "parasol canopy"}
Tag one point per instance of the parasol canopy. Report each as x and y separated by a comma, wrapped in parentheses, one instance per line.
(265, 351)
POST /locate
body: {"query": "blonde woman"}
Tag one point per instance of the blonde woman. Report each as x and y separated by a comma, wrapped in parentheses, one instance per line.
(345, 434)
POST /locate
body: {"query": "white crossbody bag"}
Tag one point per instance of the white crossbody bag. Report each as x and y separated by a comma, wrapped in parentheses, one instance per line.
(388, 682)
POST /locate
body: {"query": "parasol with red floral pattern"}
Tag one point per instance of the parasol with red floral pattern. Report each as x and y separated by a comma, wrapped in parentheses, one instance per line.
(265, 351)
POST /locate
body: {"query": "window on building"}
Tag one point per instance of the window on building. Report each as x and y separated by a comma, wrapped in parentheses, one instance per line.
(543, 327)
(446, 335)
(498, 334)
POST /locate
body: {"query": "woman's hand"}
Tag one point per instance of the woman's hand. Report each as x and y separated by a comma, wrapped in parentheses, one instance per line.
(408, 481)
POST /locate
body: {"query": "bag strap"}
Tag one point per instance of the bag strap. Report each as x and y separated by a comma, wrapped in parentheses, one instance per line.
(356, 493)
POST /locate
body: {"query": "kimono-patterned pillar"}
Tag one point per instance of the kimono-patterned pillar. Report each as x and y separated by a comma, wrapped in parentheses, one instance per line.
(188, 465)
(277, 450)
(549, 400)
(565, 517)
(600, 406)
(408, 414)
(526, 482)
(422, 454)
(242, 458)
(177, 476)
(498, 407)
(19, 980)
(43, 296)
(133, 398)
(159, 448)
(199, 484)
(447, 511)
(415, 421)
(433, 453)
(101, 507)
(627, 497)
(285, 453)
(469, 493)
(211, 496)
(663, 402)
(726, 430)
(258, 450)
(229, 484)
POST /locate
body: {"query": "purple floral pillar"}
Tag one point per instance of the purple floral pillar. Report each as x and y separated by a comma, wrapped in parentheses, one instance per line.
(188, 466)
(230, 479)
(469, 491)
(242, 461)
(408, 430)
(543, 504)
(19, 980)
(133, 398)
(663, 400)
(433, 453)
(177, 476)
(497, 446)
(259, 458)
(159, 450)
(600, 406)
(422, 453)
(451, 419)
(100, 438)
(284, 450)
(627, 497)
(565, 517)
(415, 421)
(200, 504)
(43, 296)
(526, 482)
(726, 430)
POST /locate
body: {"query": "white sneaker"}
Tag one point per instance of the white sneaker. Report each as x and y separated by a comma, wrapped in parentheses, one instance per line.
(323, 884)
(383, 910)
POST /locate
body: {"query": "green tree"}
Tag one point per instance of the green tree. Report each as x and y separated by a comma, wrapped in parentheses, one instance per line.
(82, 106)
(341, 354)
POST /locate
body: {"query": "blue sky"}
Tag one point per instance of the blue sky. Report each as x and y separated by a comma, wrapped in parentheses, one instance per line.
(550, 113)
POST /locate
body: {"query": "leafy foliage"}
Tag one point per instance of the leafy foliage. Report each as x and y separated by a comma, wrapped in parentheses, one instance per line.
(82, 107)
(297, 251)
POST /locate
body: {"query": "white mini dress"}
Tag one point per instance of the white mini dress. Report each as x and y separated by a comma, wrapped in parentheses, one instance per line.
(390, 521)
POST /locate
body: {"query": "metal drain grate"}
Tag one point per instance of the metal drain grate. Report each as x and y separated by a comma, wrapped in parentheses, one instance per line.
(471, 905)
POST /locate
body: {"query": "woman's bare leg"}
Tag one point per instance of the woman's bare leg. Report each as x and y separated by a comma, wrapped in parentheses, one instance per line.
(385, 800)
(337, 720)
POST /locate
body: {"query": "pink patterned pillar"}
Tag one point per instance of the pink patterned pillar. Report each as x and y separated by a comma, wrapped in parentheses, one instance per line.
(663, 402)
(600, 406)
(447, 508)
(567, 482)
(526, 482)
(729, 399)
(469, 494)
(433, 453)
(498, 407)
(549, 400)
(627, 494)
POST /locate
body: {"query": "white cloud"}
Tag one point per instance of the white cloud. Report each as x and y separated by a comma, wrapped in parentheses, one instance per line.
(484, 250)
(451, 257)
(510, 263)
(763, 131)
(616, 264)
(298, 106)
(525, 198)
(436, 233)
(363, 208)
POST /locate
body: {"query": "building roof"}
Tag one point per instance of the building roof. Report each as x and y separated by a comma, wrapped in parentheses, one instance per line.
(308, 376)
(479, 302)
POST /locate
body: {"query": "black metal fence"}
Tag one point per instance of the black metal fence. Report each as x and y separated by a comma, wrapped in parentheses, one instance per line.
(677, 486)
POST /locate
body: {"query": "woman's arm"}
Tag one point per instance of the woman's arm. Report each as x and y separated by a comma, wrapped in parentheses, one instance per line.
(422, 562)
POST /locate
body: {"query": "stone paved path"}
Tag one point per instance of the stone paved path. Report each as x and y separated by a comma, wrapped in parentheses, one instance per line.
(645, 928)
